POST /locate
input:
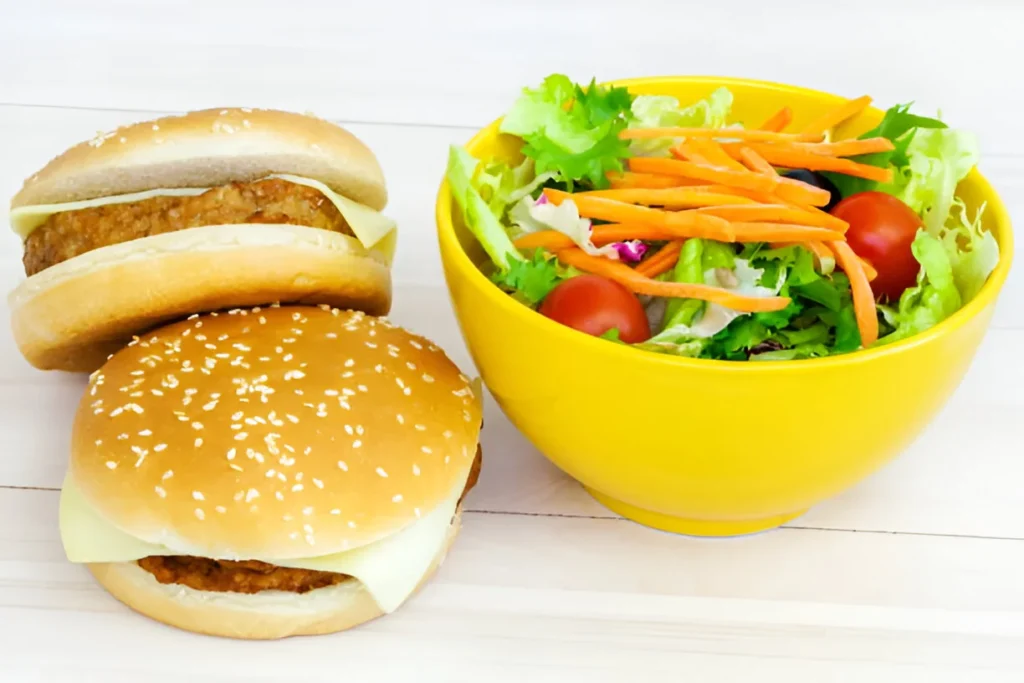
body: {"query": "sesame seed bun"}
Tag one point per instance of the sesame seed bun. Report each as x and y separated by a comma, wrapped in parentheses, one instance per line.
(209, 148)
(273, 434)
(73, 315)
(259, 616)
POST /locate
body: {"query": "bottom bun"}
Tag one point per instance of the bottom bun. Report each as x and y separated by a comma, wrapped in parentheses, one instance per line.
(259, 616)
(72, 315)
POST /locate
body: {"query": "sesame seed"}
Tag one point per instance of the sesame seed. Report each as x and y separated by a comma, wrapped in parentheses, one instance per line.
(156, 392)
(210, 406)
(415, 344)
(318, 483)
(426, 449)
(342, 466)
(99, 442)
(251, 494)
(235, 467)
(292, 418)
(293, 535)
(397, 498)
(330, 392)
(357, 443)
(294, 374)
(407, 391)
(241, 436)
(335, 511)
(197, 495)
(446, 434)
(307, 511)
(416, 469)
(401, 420)
(410, 365)
(371, 345)
(428, 379)
(160, 491)
(278, 495)
(349, 363)
(111, 464)
(420, 428)
(197, 426)
(381, 472)
(200, 515)
(447, 459)
(417, 511)
(198, 442)
(351, 524)
(221, 509)
(116, 411)
(167, 475)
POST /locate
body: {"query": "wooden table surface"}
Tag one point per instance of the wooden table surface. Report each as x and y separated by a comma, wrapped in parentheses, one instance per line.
(914, 575)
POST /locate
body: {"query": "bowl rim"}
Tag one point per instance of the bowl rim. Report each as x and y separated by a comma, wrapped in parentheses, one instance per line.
(459, 259)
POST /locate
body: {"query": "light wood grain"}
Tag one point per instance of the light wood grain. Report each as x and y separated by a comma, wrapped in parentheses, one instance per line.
(914, 575)
(564, 598)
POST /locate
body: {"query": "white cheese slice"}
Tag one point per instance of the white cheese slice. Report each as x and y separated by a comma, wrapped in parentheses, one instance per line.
(372, 228)
(390, 568)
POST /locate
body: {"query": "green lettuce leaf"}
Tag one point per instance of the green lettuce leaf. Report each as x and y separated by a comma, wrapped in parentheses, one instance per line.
(530, 281)
(898, 125)
(934, 298)
(478, 217)
(973, 251)
(571, 131)
(663, 111)
(937, 160)
(502, 185)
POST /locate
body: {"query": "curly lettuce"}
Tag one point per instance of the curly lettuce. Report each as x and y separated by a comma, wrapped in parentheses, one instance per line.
(663, 111)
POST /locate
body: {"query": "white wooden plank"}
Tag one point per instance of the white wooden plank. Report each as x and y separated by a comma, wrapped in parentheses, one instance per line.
(460, 62)
(558, 599)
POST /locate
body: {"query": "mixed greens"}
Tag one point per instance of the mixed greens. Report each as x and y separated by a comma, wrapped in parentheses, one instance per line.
(736, 241)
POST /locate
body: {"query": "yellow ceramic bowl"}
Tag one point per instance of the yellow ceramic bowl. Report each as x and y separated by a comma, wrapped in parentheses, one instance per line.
(711, 448)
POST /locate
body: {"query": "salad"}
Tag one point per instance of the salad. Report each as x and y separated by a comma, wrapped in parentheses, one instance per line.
(666, 226)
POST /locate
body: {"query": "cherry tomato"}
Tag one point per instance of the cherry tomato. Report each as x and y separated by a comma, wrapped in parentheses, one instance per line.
(882, 228)
(595, 305)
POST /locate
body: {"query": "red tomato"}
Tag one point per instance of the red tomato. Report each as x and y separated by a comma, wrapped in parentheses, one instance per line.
(882, 228)
(595, 305)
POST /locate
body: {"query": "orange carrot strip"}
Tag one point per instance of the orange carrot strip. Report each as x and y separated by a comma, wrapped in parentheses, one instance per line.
(640, 284)
(778, 155)
(831, 119)
(755, 162)
(714, 153)
(675, 198)
(675, 224)
(797, 192)
(781, 232)
(869, 270)
(685, 151)
(661, 262)
(845, 148)
(648, 180)
(860, 288)
(721, 176)
(779, 120)
(552, 240)
(777, 213)
(717, 134)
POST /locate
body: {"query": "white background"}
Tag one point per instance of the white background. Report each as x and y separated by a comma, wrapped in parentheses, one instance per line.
(915, 575)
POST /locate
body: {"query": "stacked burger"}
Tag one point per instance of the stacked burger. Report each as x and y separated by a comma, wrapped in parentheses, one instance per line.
(256, 454)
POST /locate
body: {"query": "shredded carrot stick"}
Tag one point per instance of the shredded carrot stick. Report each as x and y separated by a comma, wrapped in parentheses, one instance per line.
(755, 162)
(721, 176)
(777, 213)
(662, 261)
(648, 181)
(640, 284)
(670, 198)
(846, 148)
(688, 152)
(600, 235)
(717, 134)
(714, 153)
(779, 155)
(831, 119)
(781, 232)
(797, 192)
(869, 270)
(678, 224)
(860, 288)
(778, 122)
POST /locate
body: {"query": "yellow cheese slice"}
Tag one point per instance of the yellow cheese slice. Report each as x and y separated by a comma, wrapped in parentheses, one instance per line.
(390, 568)
(372, 228)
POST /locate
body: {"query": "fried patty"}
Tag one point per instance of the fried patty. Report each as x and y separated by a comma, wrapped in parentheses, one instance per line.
(70, 233)
(253, 576)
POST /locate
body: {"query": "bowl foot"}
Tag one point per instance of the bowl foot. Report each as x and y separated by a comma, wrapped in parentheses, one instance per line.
(692, 527)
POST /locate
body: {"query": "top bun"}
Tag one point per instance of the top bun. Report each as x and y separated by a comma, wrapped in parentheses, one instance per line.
(209, 148)
(273, 434)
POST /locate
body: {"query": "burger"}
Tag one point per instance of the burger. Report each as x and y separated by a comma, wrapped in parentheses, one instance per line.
(269, 472)
(211, 210)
